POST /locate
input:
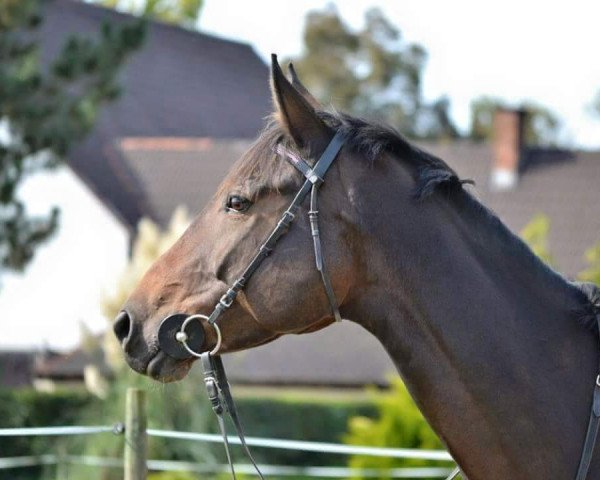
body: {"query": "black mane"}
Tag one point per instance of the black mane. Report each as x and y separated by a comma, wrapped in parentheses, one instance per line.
(372, 139)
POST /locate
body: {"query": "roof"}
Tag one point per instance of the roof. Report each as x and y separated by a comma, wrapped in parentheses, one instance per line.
(178, 171)
(341, 355)
(16, 368)
(180, 83)
(561, 184)
(71, 365)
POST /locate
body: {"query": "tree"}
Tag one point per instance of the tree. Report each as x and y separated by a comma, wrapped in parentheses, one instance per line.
(45, 109)
(184, 13)
(541, 125)
(372, 72)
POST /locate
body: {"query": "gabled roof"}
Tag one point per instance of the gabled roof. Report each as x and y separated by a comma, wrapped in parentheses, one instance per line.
(181, 83)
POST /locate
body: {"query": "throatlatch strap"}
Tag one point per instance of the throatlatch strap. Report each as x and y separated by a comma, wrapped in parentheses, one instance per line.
(313, 215)
(593, 427)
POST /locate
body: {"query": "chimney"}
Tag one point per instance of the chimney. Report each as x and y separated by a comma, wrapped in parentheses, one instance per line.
(507, 146)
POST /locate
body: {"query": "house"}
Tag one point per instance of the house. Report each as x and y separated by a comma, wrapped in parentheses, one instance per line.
(180, 84)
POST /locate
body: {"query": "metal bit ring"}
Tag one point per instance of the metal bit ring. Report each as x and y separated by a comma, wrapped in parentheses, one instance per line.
(182, 335)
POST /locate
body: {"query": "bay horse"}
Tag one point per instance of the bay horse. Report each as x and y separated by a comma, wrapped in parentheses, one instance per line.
(499, 351)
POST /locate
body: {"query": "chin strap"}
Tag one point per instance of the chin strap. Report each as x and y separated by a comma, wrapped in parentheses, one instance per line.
(219, 394)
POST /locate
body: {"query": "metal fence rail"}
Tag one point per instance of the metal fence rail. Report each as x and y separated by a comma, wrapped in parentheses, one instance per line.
(320, 447)
(273, 470)
(136, 464)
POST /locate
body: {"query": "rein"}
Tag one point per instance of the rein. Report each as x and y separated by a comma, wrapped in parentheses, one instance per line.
(180, 335)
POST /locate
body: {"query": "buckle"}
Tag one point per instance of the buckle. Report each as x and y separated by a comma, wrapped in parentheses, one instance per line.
(211, 387)
(226, 301)
(598, 381)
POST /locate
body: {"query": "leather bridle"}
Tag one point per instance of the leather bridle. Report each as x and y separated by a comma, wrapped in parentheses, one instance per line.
(181, 335)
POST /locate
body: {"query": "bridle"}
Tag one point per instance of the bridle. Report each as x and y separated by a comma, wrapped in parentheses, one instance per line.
(180, 335)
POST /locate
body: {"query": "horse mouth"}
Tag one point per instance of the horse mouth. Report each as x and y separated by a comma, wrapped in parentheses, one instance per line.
(165, 369)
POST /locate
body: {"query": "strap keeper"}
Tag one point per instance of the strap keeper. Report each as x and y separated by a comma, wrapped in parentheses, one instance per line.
(286, 219)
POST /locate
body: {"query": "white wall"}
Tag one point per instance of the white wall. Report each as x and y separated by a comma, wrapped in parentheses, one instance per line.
(64, 283)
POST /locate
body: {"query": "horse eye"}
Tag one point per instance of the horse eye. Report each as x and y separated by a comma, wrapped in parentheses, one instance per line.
(237, 203)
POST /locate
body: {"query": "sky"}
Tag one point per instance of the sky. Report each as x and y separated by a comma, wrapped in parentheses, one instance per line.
(545, 51)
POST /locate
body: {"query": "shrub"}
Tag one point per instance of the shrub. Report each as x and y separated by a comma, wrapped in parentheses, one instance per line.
(398, 423)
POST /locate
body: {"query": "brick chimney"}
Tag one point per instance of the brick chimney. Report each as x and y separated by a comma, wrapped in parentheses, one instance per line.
(507, 146)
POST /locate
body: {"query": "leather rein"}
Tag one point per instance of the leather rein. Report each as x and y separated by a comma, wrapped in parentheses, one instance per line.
(180, 335)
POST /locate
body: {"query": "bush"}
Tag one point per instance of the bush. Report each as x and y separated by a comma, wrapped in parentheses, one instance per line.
(23, 408)
(399, 423)
(179, 407)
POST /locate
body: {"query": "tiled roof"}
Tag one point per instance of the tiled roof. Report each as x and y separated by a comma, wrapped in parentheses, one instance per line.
(181, 83)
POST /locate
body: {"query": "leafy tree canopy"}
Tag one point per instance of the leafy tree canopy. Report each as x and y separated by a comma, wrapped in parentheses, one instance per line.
(372, 72)
(541, 125)
(184, 13)
(45, 109)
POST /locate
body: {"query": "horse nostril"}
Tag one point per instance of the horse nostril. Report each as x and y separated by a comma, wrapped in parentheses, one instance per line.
(122, 326)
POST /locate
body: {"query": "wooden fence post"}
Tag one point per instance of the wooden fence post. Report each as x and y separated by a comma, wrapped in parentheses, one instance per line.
(136, 440)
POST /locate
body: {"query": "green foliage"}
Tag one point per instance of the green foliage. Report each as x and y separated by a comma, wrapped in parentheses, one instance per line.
(184, 13)
(399, 423)
(535, 234)
(372, 72)
(299, 418)
(282, 415)
(592, 273)
(541, 125)
(172, 476)
(179, 406)
(23, 408)
(45, 111)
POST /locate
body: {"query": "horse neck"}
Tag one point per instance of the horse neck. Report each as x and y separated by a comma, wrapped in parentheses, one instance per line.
(484, 335)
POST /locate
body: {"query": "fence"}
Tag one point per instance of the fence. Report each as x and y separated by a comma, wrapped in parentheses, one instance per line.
(136, 465)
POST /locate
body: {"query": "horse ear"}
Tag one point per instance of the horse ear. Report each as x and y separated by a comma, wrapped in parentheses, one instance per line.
(297, 84)
(296, 115)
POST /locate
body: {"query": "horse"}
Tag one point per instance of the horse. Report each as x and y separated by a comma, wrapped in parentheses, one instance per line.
(499, 351)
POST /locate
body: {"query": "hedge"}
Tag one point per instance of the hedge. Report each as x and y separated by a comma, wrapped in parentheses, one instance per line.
(279, 416)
